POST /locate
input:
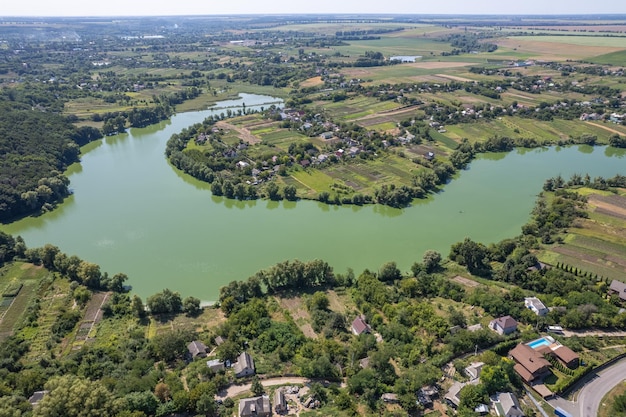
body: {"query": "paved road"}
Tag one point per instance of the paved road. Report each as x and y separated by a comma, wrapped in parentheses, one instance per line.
(589, 397)
(583, 333)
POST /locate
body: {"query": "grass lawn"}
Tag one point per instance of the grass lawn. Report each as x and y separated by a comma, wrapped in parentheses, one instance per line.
(606, 406)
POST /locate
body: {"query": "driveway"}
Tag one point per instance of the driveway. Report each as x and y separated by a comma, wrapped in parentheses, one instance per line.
(597, 385)
(235, 390)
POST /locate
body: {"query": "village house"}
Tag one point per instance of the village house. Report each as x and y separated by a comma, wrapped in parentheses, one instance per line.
(197, 349)
(616, 118)
(619, 288)
(426, 394)
(473, 371)
(255, 406)
(360, 326)
(506, 405)
(503, 325)
(452, 397)
(536, 306)
(280, 404)
(530, 364)
(244, 365)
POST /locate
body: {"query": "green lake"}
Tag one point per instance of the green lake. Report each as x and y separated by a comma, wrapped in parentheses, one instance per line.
(132, 212)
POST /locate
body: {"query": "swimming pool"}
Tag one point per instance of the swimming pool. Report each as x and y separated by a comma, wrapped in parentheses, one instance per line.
(544, 341)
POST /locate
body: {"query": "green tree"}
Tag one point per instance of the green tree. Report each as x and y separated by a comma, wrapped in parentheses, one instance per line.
(170, 345)
(191, 306)
(389, 272)
(257, 388)
(290, 192)
(431, 260)
(137, 306)
(165, 302)
(473, 395)
(494, 379)
(70, 396)
(319, 301)
(144, 401)
(272, 191)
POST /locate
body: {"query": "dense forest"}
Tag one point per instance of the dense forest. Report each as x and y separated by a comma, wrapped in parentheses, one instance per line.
(36, 146)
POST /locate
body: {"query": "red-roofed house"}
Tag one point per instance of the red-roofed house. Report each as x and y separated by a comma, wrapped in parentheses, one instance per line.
(530, 364)
(359, 326)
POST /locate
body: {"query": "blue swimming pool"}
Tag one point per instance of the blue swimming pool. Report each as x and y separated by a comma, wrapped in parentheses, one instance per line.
(539, 342)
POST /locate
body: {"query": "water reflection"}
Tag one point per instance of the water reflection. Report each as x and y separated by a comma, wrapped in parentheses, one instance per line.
(614, 152)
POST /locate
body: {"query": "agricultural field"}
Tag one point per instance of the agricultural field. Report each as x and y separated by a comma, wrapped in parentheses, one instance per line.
(562, 47)
(19, 283)
(597, 244)
(554, 130)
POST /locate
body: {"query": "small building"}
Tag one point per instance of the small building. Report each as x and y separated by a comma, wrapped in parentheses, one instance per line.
(280, 404)
(475, 327)
(360, 326)
(255, 406)
(506, 405)
(389, 397)
(215, 365)
(482, 409)
(219, 340)
(36, 398)
(566, 356)
(244, 365)
(619, 288)
(534, 304)
(197, 349)
(473, 371)
(503, 325)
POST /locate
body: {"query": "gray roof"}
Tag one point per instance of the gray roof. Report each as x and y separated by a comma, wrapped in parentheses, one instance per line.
(619, 287)
(196, 348)
(255, 406)
(509, 404)
(244, 361)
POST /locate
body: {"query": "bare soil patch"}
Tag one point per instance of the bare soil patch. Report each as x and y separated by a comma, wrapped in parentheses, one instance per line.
(296, 307)
(335, 303)
(575, 254)
(439, 64)
(93, 312)
(243, 133)
(553, 51)
(454, 78)
(312, 82)
(465, 281)
(601, 126)
(613, 205)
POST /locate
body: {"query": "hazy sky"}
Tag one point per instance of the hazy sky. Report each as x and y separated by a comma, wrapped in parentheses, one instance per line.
(208, 7)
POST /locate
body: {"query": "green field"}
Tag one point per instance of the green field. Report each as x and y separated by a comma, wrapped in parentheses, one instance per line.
(515, 127)
(13, 308)
(614, 58)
